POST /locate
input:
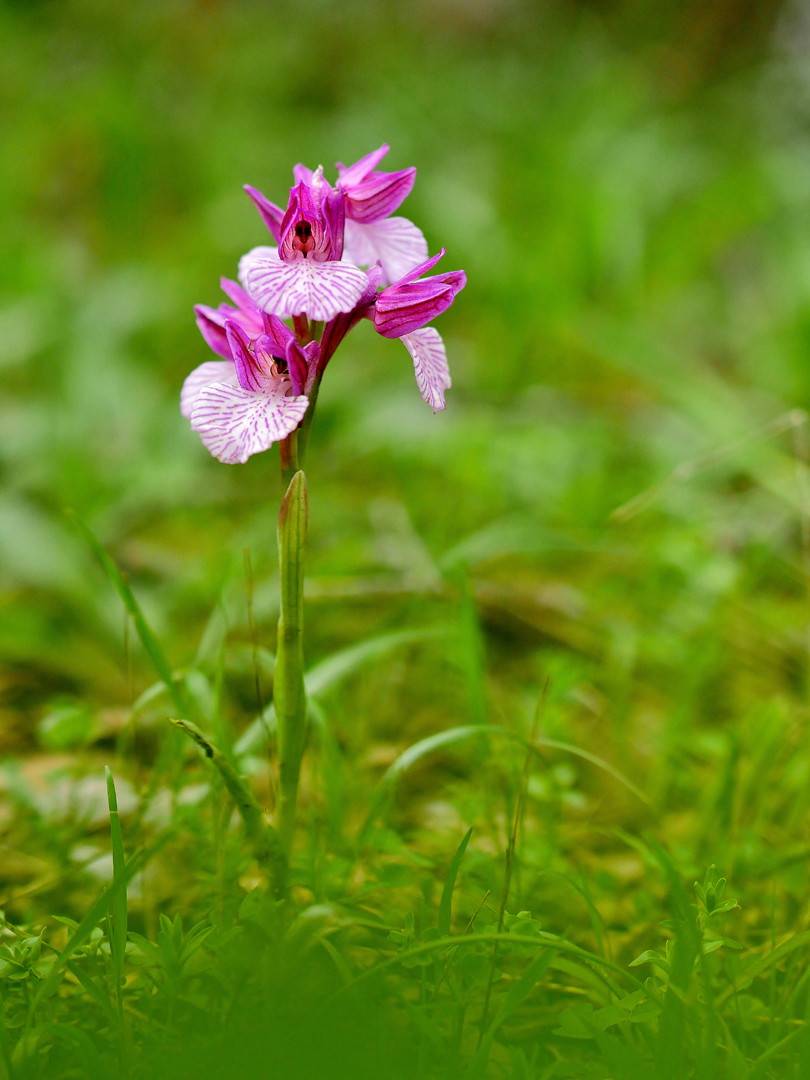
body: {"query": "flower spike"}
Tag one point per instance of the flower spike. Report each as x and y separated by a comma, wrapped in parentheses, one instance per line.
(258, 391)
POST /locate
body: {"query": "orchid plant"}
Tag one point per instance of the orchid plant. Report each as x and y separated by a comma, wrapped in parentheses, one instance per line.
(339, 257)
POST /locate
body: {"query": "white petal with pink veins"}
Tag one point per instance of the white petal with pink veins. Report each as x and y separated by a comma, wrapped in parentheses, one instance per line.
(212, 371)
(234, 423)
(430, 364)
(262, 252)
(396, 242)
(319, 290)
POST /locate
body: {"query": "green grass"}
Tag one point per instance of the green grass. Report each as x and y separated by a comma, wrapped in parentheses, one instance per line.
(611, 518)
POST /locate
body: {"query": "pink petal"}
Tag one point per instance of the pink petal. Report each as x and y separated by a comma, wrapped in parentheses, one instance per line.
(276, 335)
(396, 242)
(234, 423)
(430, 364)
(237, 295)
(212, 371)
(211, 324)
(301, 174)
(422, 268)
(261, 252)
(355, 174)
(319, 290)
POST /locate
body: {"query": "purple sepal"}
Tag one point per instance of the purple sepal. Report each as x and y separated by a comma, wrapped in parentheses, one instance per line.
(212, 328)
(379, 195)
(302, 175)
(211, 321)
(355, 174)
(272, 215)
(409, 304)
(371, 195)
(246, 304)
(248, 369)
(276, 335)
(422, 268)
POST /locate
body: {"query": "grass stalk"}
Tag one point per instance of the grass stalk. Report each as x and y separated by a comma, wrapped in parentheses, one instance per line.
(118, 939)
(510, 853)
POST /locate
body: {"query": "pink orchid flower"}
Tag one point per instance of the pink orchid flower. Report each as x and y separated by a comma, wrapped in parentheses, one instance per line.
(368, 233)
(305, 274)
(403, 310)
(268, 376)
(241, 405)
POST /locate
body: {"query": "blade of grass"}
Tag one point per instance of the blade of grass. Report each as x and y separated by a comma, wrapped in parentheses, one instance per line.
(454, 953)
(261, 835)
(119, 905)
(510, 850)
(743, 980)
(148, 639)
(516, 995)
(414, 753)
(600, 763)
(449, 885)
(540, 939)
(93, 917)
(329, 672)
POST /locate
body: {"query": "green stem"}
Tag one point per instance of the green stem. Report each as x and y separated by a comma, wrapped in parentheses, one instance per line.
(288, 684)
(288, 452)
(305, 427)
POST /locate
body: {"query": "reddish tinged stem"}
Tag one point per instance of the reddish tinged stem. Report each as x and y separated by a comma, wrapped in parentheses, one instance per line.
(301, 327)
(288, 452)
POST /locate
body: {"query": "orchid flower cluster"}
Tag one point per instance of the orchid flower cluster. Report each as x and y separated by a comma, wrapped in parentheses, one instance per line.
(339, 257)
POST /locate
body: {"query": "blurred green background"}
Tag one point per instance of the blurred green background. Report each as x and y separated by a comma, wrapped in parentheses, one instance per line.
(627, 185)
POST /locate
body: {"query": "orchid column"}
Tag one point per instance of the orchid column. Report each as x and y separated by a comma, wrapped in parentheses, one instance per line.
(264, 387)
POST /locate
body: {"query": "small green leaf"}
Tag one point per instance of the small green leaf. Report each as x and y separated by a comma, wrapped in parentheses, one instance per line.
(575, 1022)
(629, 1003)
(610, 1015)
(651, 956)
(647, 1010)
(148, 639)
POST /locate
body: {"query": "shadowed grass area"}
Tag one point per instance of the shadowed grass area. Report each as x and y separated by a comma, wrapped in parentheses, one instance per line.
(615, 506)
